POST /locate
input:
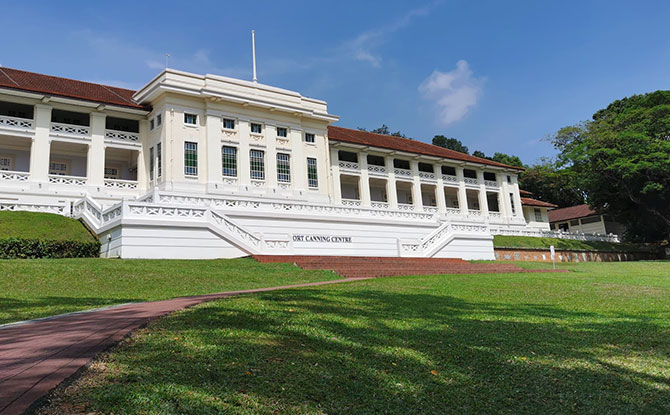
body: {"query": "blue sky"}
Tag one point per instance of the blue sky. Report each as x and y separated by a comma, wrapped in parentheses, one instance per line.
(500, 76)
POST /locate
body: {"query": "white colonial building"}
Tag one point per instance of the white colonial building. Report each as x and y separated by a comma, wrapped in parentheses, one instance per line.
(194, 166)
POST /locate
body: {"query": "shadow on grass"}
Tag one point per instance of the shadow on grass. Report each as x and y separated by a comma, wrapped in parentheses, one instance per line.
(370, 352)
(12, 310)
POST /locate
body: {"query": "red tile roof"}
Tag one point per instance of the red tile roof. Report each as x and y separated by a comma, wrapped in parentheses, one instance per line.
(527, 201)
(52, 85)
(404, 144)
(525, 192)
(572, 212)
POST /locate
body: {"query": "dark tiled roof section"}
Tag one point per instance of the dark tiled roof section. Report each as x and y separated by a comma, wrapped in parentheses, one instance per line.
(525, 192)
(70, 88)
(404, 144)
(572, 212)
(527, 201)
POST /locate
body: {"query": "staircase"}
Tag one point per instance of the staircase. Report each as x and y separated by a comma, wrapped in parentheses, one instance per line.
(361, 267)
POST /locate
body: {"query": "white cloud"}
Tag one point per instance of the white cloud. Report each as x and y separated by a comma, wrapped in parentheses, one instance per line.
(454, 93)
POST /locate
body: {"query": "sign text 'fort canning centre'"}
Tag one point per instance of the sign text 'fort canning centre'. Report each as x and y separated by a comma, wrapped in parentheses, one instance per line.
(194, 166)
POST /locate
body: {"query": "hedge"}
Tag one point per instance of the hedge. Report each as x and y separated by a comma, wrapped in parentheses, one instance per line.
(37, 248)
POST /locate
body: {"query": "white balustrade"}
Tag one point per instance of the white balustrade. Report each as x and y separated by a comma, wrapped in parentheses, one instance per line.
(474, 213)
(430, 209)
(402, 172)
(453, 212)
(379, 205)
(555, 234)
(470, 180)
(14, 176)
(426, 176)
(34, 207)
(16, 123)
(120, 184)
(405, 206)
(351, 202)
(449, 179)
(349, 165)
(68, 129)
(122, 136)
(490, 183)
(495, 216)
(376, 169)
(67, 180)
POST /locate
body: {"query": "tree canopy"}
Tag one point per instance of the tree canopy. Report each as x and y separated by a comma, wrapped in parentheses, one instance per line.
(621, 159)
(500, 158)
(552, 184)
(450, 143)
(384, 129)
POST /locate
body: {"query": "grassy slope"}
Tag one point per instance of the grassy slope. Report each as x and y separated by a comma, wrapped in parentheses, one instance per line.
(33, 225)
(593, 341)
(43, 287)
(507, 241)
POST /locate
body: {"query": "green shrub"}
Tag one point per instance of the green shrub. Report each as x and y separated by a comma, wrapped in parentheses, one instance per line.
(39, 248)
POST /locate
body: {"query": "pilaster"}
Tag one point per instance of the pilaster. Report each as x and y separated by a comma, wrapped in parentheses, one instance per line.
(243, 164)
(95, 168)
(462, 194)
(483, 201)
(416, 185)
(213, 126)
(365, 179)
(41, 146)
(440, 197)
(335, 172)
(391, 191)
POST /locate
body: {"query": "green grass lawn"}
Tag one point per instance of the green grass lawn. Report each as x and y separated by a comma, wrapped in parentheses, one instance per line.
(596, 340)
(509, 241)
(44, 287)
(33, 225)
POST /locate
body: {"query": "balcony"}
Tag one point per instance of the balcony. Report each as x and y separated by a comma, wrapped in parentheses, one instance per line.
(14, 176)
(70, 130)
(16, 123)
(121, 184)
(123, 136)
(17, 117)
(67, 180)
(377, 170)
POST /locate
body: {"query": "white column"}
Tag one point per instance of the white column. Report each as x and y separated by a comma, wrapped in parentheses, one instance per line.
(439, 195)
(299, 163)
(142, 158)
(365, 179)
(41, 147)
(335, 172)
(416, 185)
(517, 196)
(391, 191)
(243, 164)
(483, 201)
(462, 194)
(271, 158)
(505, 203)
(95, 169)
(213, 126)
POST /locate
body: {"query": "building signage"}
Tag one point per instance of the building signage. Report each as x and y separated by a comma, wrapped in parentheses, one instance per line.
(322, 238)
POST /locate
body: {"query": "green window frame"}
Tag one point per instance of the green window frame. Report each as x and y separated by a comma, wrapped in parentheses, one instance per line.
(312, 176)
(190, 158)
(229, 161)
(257, 164)
(283, 168)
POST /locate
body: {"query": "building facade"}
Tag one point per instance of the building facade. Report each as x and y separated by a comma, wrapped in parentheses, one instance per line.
(204, 166)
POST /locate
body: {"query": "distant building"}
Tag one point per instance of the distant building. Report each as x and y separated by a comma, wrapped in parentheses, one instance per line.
(536, 212)
(582, 218)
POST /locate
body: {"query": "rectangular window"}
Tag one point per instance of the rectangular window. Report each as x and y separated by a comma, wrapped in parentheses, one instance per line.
(283, 168)
(256, 128)
(59, 167)
(282, 132)
(159, 159)
(159, 120)
(509, 179)
(191, 119)
(6, 163)
(111, 173)
(229, 161)
(511, 199)
(190, 158)
(151, 124)
(257, 163)
(312, 177)
(538, 215)
(228, 124)
(152, 162)
(309, 137)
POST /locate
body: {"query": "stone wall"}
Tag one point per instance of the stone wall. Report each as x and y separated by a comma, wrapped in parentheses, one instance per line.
(544, 255)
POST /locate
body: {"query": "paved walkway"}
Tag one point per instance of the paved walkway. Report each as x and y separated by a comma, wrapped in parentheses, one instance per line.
(37, 356)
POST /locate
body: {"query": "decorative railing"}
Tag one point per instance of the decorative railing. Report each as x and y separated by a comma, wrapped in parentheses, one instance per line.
(405, 206)
(229, 134)
(490, 183)
(256, 137)
(428, 176)
(402, 172)
(75, 130)
(349, 165)
(379, 205)
(35, 207)
(351, 202)
(122, 136)
(557, 234)
(67, 180)
(15, 122)
(449, 179)
(474, 213)
(14, 176)
(284, 186)
(435, 240)
(120, 184)
(496, 216)
(430, 209)
(453, 212)
(242, 233)
(376, 169)
(470, 180)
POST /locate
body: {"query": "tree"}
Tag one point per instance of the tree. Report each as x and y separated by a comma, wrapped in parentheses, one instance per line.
(552, 184)
(622, 161)
(450, 143)
(384, 129)
(500, 158)
(479, 154)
